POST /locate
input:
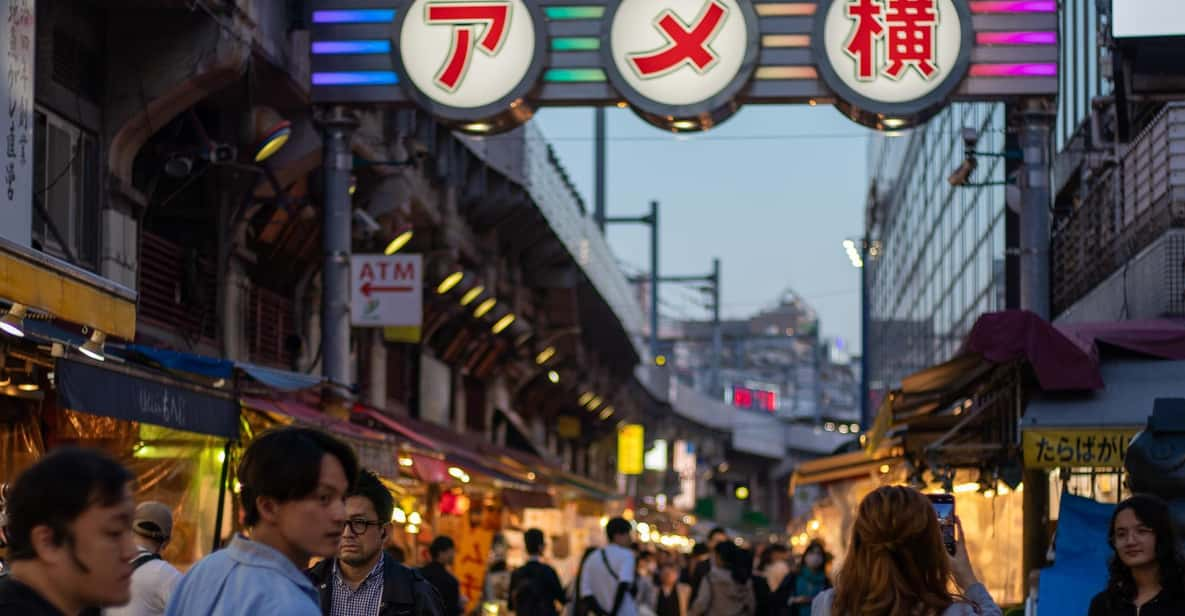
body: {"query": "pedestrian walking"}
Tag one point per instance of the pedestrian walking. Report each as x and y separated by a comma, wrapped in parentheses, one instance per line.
(294, 486)
(699, 553)
(715, 537)
(809, 580)
(607, 579)
(1147, 571)
(495, 588)
(647, 592)
(773, 570)
(728, 588)
(153, 578)
(674, 597)
(898, 565)
(535, 587)
(70, 545)
(443, 552)
(362, 579)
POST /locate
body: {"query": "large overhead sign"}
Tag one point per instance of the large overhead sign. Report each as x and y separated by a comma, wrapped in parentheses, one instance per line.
(484, 66)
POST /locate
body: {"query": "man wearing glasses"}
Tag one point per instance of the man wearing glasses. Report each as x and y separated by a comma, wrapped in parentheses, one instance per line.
(361, 581)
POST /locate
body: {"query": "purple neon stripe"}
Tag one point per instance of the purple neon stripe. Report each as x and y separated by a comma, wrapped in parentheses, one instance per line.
(354, 16)
(1042, 69)
(1016, 38)
(355, 78)
(1013, 6)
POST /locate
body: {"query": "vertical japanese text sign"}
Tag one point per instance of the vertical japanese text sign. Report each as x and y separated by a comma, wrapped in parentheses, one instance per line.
(631, 449)
(17, 42)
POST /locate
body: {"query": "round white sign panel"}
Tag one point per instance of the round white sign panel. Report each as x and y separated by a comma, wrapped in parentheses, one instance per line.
(679, 52)
(893, 52)
(467, 54)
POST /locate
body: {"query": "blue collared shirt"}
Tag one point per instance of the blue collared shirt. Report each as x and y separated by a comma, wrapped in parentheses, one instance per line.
(247, 578)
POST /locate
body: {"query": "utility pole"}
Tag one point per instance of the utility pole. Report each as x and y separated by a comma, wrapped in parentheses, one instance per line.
(717, 334)
(599, 167)
(652, 220)
(865, 313)
(1034, 296)
(337, 125)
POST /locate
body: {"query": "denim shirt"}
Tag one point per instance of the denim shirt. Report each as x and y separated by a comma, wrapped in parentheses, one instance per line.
(247, 578)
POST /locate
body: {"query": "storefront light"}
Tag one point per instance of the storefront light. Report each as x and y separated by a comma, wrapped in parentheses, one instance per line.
(965, 488)
(449, 282)
(406, 461)
(399, 516)
(553, 376)
(595, 403)
(584, 398)
(5, 379)
(545, 356)
(472, 294)
(93, 348)
(607, 413)
(485, 307)
(501, 325)
(412, 529)
(885, 469)
(814, 525)
(415, 518)
(402, 237)
(459, 474)
(13, 323)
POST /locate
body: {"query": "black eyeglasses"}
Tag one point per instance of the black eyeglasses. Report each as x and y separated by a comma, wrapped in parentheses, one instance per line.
(359, 526)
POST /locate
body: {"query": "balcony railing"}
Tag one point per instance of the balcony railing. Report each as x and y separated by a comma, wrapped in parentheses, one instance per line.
(1129, 208)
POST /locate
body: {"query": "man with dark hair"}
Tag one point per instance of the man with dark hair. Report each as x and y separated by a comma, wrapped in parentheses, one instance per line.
(69, 533)
(294, 483)
(715, 537)
(361, 580)
(443, 551)
(535, 588)
(607, 580)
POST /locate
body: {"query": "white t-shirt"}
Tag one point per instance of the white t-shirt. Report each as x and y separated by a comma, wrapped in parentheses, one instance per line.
(152, 585)
(596, 580)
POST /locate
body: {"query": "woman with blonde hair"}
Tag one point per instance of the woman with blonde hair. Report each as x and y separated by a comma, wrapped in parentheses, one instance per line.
(897, 564)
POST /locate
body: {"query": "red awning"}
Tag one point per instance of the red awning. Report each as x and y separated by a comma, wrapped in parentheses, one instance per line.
(1162, 338)
(1060, 362)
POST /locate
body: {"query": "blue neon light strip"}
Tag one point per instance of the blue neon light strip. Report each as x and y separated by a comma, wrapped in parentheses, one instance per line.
(351, 47)
(354, 16)
(355, 78)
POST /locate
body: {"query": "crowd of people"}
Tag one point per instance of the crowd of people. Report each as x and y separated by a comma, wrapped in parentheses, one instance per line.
(78, 545)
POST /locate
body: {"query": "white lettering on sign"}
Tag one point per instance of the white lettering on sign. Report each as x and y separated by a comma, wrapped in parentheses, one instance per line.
(893, 51)
(679, 52)
(17, 34)
(386, 291)
(470, 53)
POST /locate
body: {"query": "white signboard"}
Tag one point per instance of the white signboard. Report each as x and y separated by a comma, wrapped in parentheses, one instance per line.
(17, 42)
(467, 54)
(386, 291)
(683, 462)
(1147, 18)
(656, 458)
(679, 52)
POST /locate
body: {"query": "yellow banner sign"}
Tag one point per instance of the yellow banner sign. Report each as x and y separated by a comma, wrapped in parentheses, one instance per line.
(1101, 447)
(631, 449)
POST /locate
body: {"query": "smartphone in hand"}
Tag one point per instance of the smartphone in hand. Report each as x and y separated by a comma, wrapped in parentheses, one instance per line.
(944, 507)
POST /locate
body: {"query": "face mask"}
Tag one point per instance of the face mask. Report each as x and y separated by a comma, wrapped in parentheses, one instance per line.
(814, 560)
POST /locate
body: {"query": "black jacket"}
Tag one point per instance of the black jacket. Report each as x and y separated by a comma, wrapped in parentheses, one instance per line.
(17, 598)
(446, 586)
(1164, 604)
(544, 578)
(405, 591)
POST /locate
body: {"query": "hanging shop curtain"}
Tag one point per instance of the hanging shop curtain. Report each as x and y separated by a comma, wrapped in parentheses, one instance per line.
(123, 393)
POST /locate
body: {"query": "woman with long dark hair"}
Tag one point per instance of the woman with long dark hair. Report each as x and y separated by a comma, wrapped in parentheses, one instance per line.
(897, 564)
(1147, 570)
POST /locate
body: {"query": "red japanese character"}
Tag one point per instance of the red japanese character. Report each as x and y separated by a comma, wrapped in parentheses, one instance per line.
(911, 36)
(862, 44)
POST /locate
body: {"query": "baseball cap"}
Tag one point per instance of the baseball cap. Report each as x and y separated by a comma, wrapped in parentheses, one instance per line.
(153, 520)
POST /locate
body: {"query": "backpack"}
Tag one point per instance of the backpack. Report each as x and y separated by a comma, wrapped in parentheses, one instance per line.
(529, 598)
(588, 605)
(143, 559)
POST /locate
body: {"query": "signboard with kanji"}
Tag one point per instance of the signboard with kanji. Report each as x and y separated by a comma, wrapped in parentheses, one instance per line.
(484, 66)
(386, 291)
(631, 449)
(1058, 448)
(17, 36)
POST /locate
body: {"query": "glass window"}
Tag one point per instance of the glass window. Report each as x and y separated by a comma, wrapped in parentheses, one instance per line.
(65, 183)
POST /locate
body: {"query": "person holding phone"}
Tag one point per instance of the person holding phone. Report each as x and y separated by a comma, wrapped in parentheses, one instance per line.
(898, 564)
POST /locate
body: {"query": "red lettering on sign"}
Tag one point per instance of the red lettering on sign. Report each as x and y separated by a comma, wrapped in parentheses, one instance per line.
(909, 27)
(686, 45)
(403, 271)
(366, 273)
(466, 18)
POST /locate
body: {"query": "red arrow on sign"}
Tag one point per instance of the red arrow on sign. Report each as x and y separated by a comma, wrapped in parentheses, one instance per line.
(368, 288)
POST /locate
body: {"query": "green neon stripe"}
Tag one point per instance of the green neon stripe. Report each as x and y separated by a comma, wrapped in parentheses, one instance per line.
(575, 43)
(574, 12)
(573, 75)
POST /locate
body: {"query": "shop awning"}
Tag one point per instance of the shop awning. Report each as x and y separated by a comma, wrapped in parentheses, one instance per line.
(125, 393)
(846, 465)
(376, 451)
(1131, 387)
(215, 368)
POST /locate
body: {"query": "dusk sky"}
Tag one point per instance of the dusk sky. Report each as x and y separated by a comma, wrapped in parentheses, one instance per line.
(772, 192)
